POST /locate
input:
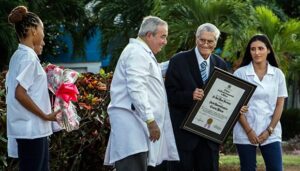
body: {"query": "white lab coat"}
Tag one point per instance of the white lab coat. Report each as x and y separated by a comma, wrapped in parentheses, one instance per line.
(138, 94)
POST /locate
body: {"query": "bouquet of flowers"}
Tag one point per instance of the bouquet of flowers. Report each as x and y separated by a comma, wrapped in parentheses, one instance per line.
(61, 83)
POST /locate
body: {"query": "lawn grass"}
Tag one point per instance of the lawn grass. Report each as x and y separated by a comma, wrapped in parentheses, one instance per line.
(231, 162)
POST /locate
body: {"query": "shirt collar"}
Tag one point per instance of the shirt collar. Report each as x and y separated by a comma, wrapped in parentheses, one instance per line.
(142, 43)
(27, 48)
(200, 58)
(250, 69)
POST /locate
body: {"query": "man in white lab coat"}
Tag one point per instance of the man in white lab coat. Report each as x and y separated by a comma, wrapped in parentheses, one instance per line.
(141, 131)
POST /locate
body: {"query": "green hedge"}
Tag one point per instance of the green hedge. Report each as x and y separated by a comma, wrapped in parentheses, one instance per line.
(3, 140)
(84, 148)
(290, 121)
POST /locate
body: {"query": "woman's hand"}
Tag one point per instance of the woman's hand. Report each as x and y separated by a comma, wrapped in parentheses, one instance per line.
(263, 136)
(243, 110)
(52, 116)
(252, 137)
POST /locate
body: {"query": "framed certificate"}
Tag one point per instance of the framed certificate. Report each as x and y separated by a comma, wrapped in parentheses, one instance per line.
(215, 115)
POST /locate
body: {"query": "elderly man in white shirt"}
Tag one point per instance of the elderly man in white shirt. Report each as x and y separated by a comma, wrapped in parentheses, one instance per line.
(141, 131)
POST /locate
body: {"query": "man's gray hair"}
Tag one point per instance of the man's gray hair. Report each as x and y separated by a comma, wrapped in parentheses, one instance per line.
(150, 24)
(208, 27)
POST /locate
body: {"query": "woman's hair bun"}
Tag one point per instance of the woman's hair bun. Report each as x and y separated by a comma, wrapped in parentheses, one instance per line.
(17, 14)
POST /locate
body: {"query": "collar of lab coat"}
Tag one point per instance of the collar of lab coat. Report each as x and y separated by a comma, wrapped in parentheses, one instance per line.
(26, 48)
(250, 72)
(250, 69)
(142, 43)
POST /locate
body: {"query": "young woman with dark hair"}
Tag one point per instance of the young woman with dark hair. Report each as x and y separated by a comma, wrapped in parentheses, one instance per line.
(29, 113)
(260, 125)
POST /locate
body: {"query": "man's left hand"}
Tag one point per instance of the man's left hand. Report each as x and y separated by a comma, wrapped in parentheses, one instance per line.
(154, 131)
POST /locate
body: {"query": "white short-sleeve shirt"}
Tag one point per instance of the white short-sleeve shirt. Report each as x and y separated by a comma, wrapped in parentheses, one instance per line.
(25, 69)
(262, 104)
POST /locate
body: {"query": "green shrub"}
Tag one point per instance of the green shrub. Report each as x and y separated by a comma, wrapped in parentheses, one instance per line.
(84, 149)
(3, 140)
(290, 121)
(228, 147)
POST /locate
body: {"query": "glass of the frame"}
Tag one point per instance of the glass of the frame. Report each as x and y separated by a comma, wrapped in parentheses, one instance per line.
(214, 116)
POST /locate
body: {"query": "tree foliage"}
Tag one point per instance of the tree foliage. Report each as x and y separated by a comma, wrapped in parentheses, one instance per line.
(8, 39)
(290, 7)
(58, 17)
(284, 36)
(184, 17)
(119, 20)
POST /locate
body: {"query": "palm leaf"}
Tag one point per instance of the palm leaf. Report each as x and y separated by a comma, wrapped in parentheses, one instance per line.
(184, 17)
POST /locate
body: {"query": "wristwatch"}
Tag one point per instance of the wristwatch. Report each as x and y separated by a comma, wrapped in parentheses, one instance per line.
(270, 130)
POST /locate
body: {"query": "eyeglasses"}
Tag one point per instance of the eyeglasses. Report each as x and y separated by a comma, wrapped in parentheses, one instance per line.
(204, 41)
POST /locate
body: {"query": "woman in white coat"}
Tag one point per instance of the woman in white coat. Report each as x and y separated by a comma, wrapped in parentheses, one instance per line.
(28, 103)
(260, 126)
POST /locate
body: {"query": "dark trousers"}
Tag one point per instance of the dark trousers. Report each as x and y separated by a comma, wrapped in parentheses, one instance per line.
(162, 167)
(135, 162)
(271, 153)
(204, 158)
(33, 154)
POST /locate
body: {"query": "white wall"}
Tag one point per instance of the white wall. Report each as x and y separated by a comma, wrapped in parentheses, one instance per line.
(93, 67)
